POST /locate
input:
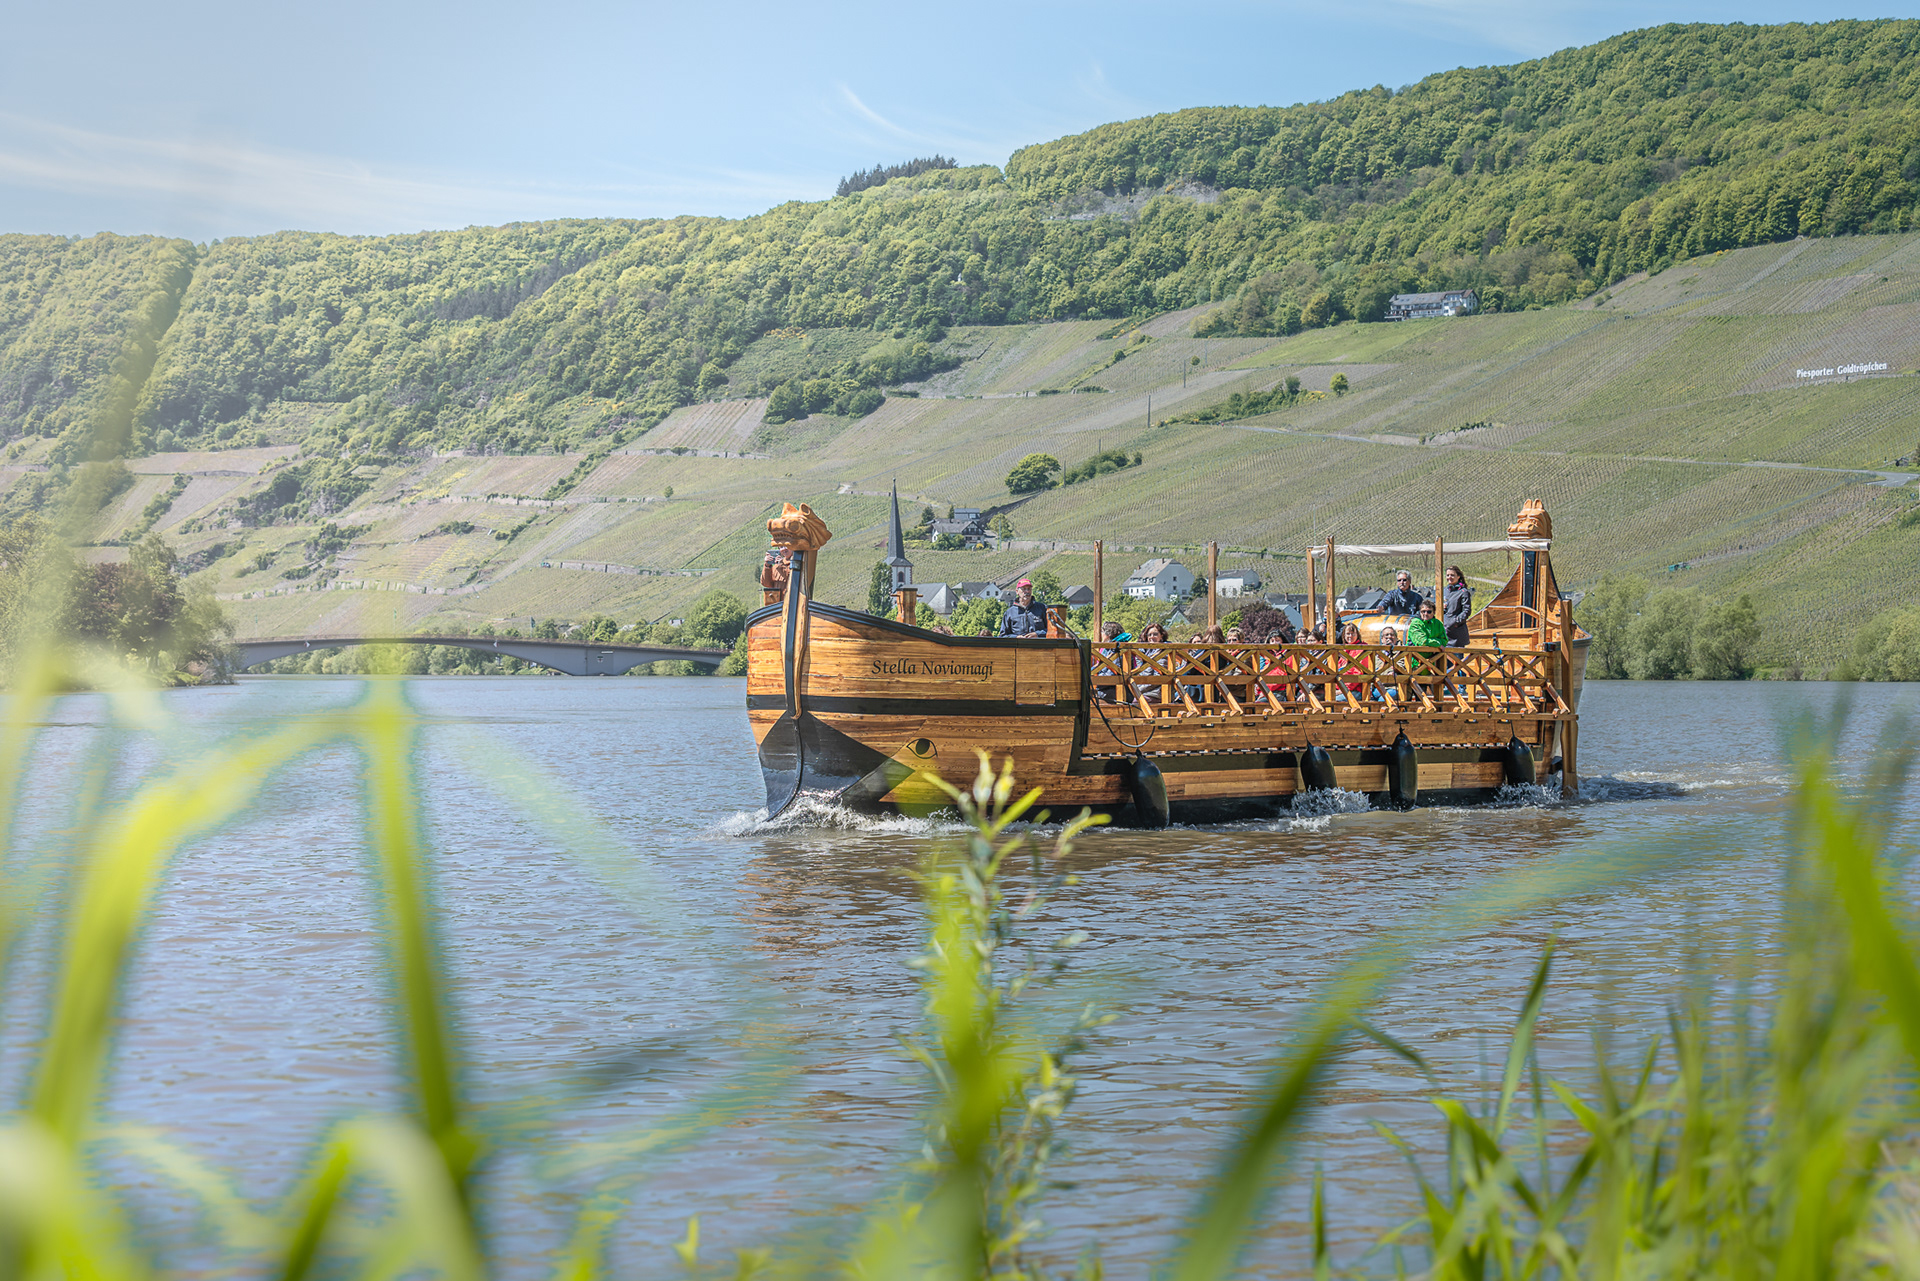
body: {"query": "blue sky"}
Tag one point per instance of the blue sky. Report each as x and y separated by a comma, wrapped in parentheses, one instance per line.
(215, 119)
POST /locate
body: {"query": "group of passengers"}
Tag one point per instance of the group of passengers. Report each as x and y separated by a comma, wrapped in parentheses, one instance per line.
(1276, 672)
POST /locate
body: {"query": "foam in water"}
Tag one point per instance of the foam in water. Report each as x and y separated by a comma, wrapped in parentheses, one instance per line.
(820, 813)
(1314, 811)
(1525, 796)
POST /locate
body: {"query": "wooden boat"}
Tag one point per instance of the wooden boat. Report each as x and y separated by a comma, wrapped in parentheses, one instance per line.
(866, 711)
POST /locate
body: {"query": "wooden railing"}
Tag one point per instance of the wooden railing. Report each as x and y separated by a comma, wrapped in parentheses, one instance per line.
(1186, 679)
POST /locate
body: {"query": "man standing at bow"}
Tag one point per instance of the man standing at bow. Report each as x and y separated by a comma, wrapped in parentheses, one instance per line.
(1023, 617)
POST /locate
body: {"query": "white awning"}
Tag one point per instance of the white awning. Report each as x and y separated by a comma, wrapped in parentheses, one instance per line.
(1424, 549)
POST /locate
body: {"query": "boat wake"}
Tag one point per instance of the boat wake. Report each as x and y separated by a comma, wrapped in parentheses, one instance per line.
(1609, 788)
(1315, 811)
(822, 813)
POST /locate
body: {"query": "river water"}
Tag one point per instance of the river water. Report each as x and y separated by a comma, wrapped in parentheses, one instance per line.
(703, 955)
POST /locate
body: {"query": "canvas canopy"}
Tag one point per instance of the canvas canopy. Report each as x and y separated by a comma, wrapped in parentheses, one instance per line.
(1425, 549)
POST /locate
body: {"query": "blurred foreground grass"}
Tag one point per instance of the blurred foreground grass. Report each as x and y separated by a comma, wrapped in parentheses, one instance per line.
(1754, 1136)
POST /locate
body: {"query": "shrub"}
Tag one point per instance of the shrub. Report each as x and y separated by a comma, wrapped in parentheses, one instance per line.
(1033, 474)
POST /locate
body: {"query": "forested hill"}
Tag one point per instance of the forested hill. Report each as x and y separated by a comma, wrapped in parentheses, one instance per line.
(1536, 182)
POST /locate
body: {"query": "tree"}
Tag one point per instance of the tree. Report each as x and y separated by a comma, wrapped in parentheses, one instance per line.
(1726, 637)
(1887, 648)
(880, 590)
(1339, 385)
(1661, 639)
(786, 403)
(667, 492)
(1001, 527)
(1033, 474)
(712, 378)
(949, 543)
(1608, 613)
(716, 619)
(1047, 589)
(975, 614)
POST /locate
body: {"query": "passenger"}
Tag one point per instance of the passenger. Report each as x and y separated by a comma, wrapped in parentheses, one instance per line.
(1280, 662)
(1352, 660)
(1023, 617)
(1155, 635)
(1205, 660)
(1426, 633)
(1403, 599)
(1390, 662)
(1111, 635)
(1426, 630)
(941, 629)
(1459, 607)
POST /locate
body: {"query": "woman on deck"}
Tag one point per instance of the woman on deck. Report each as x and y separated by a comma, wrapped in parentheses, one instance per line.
(1352, 660)
(1152, 689)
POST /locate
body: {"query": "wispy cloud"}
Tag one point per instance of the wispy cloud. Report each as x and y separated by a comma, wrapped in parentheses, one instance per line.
(192, 182)
(1528, 28)
(852, 99)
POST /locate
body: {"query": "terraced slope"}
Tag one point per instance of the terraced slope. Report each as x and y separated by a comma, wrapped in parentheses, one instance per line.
(1663, 423)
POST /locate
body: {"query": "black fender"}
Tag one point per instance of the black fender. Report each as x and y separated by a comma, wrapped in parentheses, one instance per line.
(1403, 772)
(1149, 790)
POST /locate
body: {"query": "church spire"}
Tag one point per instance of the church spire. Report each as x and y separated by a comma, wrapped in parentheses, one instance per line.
(897, 562)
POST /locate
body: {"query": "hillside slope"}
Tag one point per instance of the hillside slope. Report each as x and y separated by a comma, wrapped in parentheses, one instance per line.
(1538, 183)
(1667, 424)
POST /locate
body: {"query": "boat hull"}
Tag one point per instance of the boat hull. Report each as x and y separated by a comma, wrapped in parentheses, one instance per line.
(879, 715)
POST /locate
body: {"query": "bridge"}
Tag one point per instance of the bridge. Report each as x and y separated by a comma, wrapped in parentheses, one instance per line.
(575, 658)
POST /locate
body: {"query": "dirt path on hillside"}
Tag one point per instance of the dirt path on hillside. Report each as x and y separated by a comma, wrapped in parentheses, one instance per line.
(1889, 479)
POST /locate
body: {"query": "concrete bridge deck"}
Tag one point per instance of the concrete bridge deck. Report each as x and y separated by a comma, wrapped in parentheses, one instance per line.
(575, 658)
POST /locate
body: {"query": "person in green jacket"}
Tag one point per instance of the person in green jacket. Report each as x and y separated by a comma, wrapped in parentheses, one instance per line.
(1427, 632)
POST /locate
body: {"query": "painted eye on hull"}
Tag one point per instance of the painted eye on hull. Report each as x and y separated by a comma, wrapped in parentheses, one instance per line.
(921, 747)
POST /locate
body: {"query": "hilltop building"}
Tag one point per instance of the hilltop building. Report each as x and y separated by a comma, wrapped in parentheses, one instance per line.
(1160, 579)
(898, 566)
(1437, 306)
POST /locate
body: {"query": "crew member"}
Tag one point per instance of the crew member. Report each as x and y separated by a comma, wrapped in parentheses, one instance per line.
(1023, 617)
(775, 570)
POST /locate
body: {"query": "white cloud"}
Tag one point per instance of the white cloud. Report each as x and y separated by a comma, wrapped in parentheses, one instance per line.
(253, 188)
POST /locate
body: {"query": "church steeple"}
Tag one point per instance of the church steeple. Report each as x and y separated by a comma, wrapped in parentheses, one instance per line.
(901, 568)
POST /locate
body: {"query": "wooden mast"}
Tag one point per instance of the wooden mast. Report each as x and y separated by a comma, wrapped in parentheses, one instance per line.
(1213, 585)
(1099, 589)
(1333, 601)
(1439, 578)
(1313, 593)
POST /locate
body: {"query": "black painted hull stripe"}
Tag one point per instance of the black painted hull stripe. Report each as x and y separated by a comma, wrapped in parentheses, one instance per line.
(924, 707)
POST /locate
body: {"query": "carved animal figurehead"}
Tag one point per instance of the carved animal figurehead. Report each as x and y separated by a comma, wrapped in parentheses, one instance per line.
(798, 529)
(1532, 522)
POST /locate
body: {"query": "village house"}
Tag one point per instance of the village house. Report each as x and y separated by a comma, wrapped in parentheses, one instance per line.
(1237, 582)
(1434, 306)
(978, 591)
(941, 599)
(1078, 595)
(1160, 579)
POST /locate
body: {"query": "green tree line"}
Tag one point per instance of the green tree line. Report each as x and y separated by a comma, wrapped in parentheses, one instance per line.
(1533, 183)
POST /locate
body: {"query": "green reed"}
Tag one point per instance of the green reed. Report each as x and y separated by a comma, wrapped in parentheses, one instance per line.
(1755, 1136)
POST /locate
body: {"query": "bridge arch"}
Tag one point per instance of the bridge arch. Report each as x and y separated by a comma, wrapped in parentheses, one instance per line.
(574, 658)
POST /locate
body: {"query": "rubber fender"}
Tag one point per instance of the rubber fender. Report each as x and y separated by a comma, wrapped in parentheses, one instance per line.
(1517, 760)
(1149, 790)
(1403, 772)
(1316, 769)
